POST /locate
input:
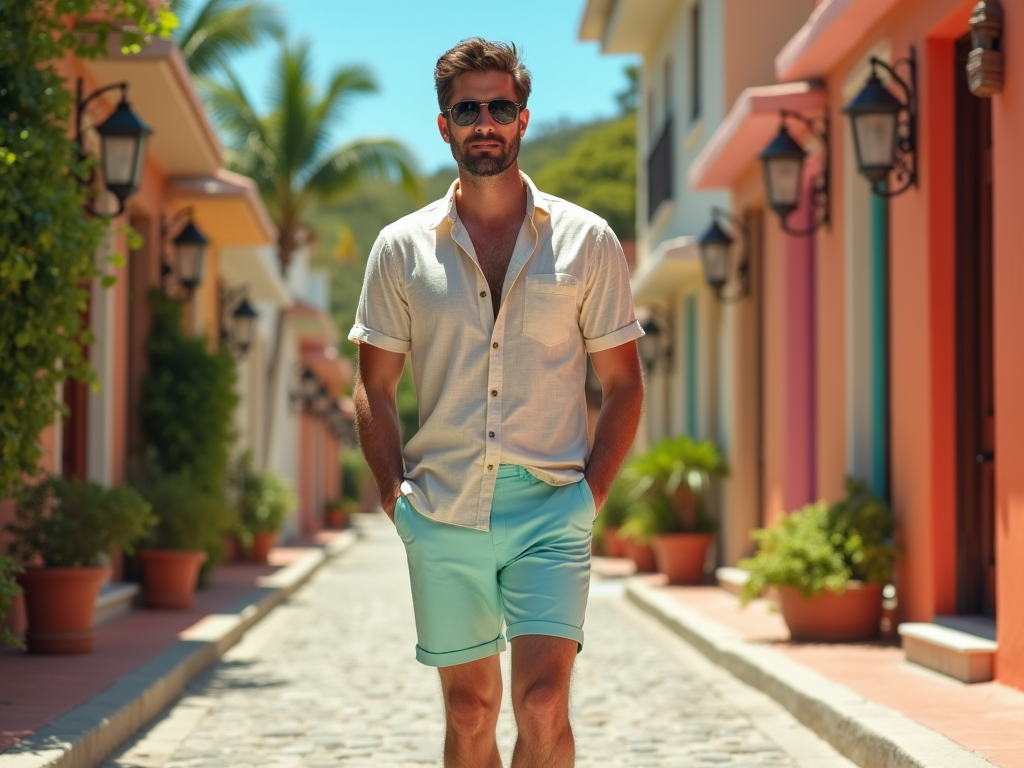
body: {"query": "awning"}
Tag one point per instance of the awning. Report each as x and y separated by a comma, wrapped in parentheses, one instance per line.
(832, 30)
(227, 206)
(673, 263)
(334, 372)
(257, 268)
(161, 91)
(750, 125)
(311, 325)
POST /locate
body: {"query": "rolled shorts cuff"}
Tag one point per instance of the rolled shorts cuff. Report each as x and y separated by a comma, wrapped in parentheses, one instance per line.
(466, 655)
(549, 628)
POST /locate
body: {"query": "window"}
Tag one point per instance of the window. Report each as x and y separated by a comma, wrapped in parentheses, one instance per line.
(695, 57)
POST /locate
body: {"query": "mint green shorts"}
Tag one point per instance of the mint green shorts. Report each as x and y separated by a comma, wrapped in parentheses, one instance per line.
(530, 571)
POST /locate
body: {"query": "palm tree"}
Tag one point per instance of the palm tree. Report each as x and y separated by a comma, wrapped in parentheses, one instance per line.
(287, 150)
(222, 28)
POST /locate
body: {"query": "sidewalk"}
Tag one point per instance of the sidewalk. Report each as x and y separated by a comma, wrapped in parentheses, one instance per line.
(73, 710)
(865, 699)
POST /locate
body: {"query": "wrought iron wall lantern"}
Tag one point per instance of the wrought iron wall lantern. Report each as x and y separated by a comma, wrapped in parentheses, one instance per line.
(189, 251)
(985, 62)
(885, 128)
(237, 320)
(716, 254)
(655, 346)
(123, 138)
(783, 163)
(305, 389)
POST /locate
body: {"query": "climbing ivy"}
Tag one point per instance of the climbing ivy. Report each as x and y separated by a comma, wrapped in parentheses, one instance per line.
(49, 246)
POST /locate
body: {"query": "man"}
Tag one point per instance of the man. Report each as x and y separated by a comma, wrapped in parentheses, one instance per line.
(499, 292)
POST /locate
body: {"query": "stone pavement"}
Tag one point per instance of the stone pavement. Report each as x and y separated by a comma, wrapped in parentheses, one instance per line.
(329, 679)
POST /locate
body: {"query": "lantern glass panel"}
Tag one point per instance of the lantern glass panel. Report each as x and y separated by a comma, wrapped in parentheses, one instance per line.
(716, 264)
(119, 161)
(783, 176)
(190, 263)
(875, 135)
(242, 331)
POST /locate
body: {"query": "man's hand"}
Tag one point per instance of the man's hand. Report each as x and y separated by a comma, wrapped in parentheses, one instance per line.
(622, 388)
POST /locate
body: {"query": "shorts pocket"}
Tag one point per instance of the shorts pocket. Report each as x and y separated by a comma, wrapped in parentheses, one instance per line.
(402, 510)
(550, 307)
(588, 497)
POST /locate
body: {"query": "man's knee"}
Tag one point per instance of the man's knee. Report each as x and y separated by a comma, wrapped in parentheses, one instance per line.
(543, 705)
(472, 711)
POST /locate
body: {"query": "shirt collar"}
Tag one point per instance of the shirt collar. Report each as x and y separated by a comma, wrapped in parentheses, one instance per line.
(446, 209)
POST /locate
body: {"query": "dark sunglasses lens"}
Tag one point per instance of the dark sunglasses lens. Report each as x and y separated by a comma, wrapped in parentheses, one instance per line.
(466, 112)
(502, 110)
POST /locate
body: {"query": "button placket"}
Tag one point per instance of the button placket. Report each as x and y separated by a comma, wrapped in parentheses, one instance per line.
(492, 426)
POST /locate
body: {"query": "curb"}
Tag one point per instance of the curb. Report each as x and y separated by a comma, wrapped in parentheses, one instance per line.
(869, 734)
(88, 734)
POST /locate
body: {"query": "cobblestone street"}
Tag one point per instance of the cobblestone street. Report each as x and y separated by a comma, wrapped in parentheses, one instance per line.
(329, 679)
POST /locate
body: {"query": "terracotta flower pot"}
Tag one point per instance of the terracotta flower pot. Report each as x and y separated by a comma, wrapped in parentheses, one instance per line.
(852, 616)
(612, 542)
(61, 605)
(681, 556)
(169, 576)
(261, 544)
(642, 555)
(232, 550)
(336, 518)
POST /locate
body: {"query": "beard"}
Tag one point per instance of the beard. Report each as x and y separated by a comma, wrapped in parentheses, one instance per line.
(496, 162)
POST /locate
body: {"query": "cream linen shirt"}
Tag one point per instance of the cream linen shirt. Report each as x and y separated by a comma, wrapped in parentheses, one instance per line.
(505, 390)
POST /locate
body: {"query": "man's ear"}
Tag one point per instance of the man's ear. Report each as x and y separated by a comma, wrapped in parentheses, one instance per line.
(524, 120)
(442, 126)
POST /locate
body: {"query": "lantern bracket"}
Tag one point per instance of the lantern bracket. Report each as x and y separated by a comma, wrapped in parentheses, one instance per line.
(821, 193)
(742, 282)
(80, 105)
(906, 128)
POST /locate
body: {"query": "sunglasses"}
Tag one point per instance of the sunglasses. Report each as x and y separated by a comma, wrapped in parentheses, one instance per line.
(503, 111)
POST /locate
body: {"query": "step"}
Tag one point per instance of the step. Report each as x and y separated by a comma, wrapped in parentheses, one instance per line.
(115, 600)
(966, 656)
(731, 579)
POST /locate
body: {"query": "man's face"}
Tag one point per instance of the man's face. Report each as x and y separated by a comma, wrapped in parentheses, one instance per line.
(485, 148)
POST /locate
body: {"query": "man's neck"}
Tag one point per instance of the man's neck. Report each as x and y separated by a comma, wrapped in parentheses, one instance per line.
(491, 200)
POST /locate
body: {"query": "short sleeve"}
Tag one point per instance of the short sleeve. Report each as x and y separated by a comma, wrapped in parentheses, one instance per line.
(607, 317)
(382, 316)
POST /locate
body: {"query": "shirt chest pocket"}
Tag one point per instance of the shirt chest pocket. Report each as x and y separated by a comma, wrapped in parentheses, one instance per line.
(550, 307)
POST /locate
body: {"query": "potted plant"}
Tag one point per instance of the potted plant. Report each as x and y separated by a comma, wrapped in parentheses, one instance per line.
(9, 590)
(337, 512)
(829, 564)
(264, 501)
(613, 514)
(64, 531)
(191, 523)
(671, 481)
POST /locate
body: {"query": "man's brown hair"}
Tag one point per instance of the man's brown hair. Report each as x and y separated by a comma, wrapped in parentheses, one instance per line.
(479, 55)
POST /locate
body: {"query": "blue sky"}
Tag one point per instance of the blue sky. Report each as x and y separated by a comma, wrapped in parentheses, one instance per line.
(399, 40)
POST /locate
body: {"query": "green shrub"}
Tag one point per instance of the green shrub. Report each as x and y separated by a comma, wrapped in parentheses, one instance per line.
(188, 399)
(354, 472)
(71, 523)
(9, 589)
(189, 516)
(823, 547)
(263, 499)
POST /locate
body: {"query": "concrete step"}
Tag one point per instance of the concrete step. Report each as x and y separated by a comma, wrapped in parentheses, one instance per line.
(114, 600)
(945, 646)
(731, 579)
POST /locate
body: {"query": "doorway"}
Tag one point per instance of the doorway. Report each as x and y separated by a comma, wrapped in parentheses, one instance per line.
(975, 395)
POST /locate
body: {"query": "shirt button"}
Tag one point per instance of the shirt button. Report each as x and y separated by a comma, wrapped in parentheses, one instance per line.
(494, 393)
(490, 467)
(495, 345)
(490, 434)
(483, 294)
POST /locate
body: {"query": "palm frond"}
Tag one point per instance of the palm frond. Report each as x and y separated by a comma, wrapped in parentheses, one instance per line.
(365, 160)
(223, 28)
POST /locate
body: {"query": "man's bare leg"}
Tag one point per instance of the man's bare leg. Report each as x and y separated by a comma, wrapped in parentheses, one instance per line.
(472, 699)
(541, 671)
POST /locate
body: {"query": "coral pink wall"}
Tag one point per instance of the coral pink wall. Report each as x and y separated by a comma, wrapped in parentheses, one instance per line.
(1007, 128)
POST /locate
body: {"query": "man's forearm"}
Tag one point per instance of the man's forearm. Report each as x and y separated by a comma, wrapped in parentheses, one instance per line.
(613, 436)
(380, 438)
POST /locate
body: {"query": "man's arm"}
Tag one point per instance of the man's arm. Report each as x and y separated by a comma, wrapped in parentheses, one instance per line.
(377, 424)
(622, 388)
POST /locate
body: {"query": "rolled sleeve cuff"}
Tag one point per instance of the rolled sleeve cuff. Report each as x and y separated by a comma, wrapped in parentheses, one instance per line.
(360, 334)
(615, 338)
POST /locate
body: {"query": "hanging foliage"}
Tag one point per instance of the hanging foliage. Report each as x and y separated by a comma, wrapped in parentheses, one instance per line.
(48, 245)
